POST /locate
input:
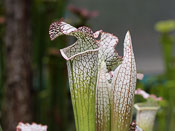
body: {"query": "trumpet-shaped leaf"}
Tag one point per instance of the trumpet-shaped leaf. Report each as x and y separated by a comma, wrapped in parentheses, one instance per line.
(82, 61)
(108, 60)
(123, 89)
(102, 98)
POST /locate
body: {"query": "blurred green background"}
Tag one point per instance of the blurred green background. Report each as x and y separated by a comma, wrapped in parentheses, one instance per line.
(37, 90)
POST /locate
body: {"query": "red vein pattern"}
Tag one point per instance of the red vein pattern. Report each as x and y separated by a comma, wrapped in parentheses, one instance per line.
(103, 106)
(59, 28)
(89, 59)
(107, 51)
(108, 60)
(123, 89)
(82, 62)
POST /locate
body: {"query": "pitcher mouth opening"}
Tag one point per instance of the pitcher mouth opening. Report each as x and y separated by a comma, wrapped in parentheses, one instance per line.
(80, 53)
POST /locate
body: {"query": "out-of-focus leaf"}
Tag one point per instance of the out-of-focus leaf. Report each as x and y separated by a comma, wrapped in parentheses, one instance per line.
(165, 26)
(0, 128)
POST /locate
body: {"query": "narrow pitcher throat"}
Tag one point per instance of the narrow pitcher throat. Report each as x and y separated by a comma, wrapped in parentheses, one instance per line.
(63, 53)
